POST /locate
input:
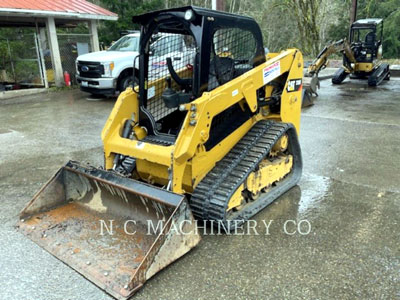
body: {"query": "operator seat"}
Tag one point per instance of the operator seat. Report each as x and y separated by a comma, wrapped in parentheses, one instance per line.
(370, 40)
(221, 71)
(224, 69)
(369, 43)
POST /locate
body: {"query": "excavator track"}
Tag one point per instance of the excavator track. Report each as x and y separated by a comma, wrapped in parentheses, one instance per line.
(210, 198)
(379, 74)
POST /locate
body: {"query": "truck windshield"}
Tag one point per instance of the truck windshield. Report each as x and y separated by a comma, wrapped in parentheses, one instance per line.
(126, 43)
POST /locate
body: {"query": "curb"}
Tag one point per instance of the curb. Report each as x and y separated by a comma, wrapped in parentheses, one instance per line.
(20, 93)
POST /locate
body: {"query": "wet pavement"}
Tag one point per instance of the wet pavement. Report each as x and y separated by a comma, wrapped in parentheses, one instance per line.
(349, 197)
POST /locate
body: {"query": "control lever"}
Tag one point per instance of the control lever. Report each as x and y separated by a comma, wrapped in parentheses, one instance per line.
(173, 99)
(183, 82)
(168, 80)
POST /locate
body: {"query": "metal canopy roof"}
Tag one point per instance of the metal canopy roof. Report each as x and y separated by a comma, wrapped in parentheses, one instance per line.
(75, 9)
(144, 18)
(363, 21)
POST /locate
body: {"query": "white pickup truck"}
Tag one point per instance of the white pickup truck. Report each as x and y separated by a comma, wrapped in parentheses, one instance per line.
(109, 72)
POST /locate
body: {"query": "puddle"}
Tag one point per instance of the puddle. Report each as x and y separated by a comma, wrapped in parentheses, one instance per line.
(313, 191)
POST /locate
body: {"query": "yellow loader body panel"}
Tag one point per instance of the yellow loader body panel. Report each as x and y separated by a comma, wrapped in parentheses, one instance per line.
(187, 157)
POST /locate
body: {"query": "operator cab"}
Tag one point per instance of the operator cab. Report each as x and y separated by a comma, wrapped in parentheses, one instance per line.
(366, 39)
(184, 52)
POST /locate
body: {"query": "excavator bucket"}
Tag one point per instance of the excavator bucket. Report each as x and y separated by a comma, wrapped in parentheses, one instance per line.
(115, 231)
(307, 98)
(310, 88)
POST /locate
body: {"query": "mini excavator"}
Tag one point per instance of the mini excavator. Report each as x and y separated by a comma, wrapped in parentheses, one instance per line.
(361, 58)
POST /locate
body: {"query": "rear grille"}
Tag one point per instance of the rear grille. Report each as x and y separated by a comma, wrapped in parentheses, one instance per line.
(94, 69)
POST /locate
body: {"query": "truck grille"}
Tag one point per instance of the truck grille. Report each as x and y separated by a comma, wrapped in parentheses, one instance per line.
(90, 69)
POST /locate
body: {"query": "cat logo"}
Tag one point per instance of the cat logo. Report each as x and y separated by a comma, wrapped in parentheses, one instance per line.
(294, 85)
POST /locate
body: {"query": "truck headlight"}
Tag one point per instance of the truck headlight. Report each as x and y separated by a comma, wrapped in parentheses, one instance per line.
(108, 68)
(76, 67)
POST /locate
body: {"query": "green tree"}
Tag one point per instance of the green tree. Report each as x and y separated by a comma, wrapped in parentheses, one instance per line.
(306, 13)
(389, 10)
(391, 35)
(110, 30)
(306, 24)
(307, 20)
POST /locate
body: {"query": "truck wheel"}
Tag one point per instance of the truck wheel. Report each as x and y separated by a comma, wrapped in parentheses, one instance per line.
(125, 81)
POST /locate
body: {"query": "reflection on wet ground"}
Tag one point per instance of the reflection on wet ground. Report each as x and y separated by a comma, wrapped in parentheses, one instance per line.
(349, 195)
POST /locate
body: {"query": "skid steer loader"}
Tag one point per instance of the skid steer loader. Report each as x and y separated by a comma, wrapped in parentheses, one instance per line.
(210, 131)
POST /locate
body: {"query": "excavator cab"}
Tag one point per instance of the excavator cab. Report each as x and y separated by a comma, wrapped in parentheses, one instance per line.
(366, 39)
(364, 59)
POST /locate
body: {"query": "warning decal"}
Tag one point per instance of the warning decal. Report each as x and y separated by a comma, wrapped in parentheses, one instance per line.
(271, 72)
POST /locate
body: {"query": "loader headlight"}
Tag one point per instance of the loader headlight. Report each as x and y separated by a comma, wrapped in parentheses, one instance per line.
(108, 68)
(189, 15)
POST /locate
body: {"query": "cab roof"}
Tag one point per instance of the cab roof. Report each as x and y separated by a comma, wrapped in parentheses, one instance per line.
(145, 18)
(370, 21)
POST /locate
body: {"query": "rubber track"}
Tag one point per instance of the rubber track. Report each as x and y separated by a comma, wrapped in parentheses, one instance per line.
(210, 198)
(378, 75)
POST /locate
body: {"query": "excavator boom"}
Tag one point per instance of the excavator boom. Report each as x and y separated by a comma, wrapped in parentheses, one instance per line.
(322, 59)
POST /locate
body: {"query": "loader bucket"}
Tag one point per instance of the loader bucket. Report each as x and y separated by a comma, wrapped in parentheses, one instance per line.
(115, 231)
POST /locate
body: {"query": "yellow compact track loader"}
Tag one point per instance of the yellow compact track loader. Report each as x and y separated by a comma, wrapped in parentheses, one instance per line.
(210, 131)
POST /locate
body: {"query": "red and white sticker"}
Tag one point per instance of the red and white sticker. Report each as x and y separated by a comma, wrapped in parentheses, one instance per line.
(271, 72)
